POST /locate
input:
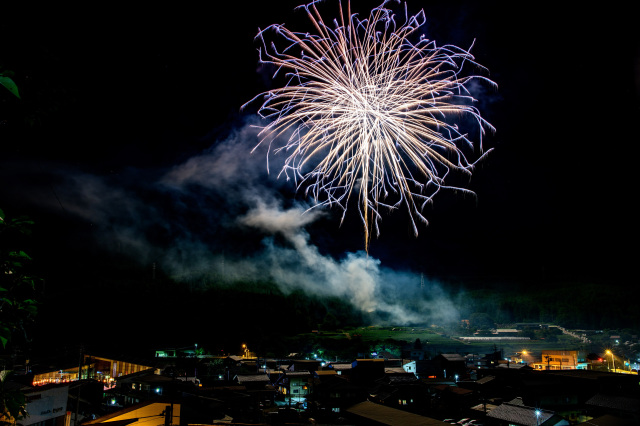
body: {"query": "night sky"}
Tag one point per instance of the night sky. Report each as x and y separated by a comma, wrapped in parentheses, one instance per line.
(129, 139)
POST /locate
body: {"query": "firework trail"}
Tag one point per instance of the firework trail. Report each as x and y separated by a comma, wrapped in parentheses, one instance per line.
(369, 112)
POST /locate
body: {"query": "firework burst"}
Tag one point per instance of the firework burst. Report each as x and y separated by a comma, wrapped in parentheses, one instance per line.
(367, 113)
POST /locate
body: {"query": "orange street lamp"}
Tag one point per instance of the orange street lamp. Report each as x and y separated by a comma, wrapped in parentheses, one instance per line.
(613, 360)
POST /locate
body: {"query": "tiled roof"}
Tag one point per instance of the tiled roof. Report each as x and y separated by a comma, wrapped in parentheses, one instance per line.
(297, 373)
(406, 378)
(396, 370)
(621, 403)
(519, 414)
(485, 379)
(341, 366)
(453, 357)
(326, 373)
(609, 420)
(243, 378)
(517, 401)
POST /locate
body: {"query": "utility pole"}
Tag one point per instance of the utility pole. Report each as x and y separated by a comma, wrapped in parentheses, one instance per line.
(75, 420)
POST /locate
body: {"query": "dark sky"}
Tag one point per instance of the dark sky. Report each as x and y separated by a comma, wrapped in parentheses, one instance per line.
(129, 137)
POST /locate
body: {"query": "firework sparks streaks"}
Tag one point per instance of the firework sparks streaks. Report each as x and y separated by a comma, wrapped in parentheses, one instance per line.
(366, 113)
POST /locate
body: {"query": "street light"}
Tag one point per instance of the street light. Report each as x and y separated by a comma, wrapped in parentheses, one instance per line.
(613, 360)
(538, 412)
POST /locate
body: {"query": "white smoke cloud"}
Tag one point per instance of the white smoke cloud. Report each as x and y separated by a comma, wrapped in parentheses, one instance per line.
(356, 277)
(229, 163)
(189, 224)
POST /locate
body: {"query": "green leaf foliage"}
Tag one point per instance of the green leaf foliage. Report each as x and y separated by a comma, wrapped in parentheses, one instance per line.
(18, 305)
(9, 84)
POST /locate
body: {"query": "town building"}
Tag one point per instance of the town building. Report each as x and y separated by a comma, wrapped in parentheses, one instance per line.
(557, 360)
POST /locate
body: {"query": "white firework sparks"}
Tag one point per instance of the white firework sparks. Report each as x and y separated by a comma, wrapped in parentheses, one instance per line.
(369, 112)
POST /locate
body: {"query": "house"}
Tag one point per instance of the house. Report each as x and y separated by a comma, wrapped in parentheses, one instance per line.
(134, 388)
(333, 394)
(400, 391)
(410, 367)
(367, 371)
(425, 369)
(304, 365)
(451, 365)
(342, 369)
(253, 381)
(623, 406)
(294, 385)
(489, 360)
(450, 398)
(258, 388)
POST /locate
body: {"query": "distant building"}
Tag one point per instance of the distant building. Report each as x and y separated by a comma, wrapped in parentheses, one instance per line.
(334, 394)
(105, 370)
(294, 385)
(558, 360)
(342, 369)
(506, 331)
(367, 371)
(451, 365)
(47, 406)
(424, 369)
(416, 354)
(144, 385)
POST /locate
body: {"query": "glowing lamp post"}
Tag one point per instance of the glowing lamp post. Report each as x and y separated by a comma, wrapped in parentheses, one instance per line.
(613, 360)
(538, 412)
